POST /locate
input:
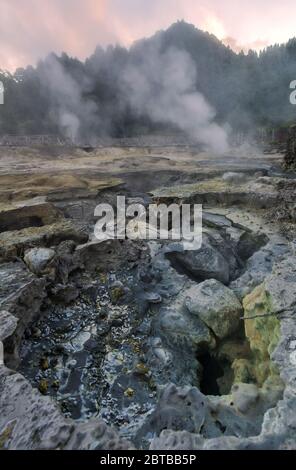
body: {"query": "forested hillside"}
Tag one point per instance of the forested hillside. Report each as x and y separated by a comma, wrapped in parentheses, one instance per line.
(122, 92)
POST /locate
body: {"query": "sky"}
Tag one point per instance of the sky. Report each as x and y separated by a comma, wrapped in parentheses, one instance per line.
(30, 29)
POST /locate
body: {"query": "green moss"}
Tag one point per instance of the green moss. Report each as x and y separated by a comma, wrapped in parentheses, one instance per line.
(142, 369)
(135, 345)
(152, 385)
(116, 293)
(186, 190)
(44, 363)
(263, 333)
(43, 386)
(242, 369)
(56, 384)
(129, 392)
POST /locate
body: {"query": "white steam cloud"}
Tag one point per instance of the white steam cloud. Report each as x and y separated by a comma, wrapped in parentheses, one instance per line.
(163, 86)
(73, 111)
(160, 85)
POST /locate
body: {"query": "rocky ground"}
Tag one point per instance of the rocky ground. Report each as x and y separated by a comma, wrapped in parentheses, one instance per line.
(136, 344)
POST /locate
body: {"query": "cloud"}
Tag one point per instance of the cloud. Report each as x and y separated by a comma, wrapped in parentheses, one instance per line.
(31, 29)
(257, 45)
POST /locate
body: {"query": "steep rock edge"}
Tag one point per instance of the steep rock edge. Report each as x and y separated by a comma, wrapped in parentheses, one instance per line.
(275, 301)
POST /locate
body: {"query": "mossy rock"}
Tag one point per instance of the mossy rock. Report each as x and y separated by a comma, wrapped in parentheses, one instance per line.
(243, 371)
(129, 392)
(263, 333)
(215, 185)
(43, 386)
(116, 293)
(44, 363)
(141, 369)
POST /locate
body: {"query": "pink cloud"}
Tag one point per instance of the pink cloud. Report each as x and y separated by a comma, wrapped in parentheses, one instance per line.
(30, 29)
(257, 45)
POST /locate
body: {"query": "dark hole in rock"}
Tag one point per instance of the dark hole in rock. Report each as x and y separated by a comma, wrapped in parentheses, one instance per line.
(21, 223)
(88, 149)
(217, 377)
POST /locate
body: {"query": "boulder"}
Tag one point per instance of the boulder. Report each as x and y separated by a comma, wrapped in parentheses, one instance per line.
(177, 440)
(184, 417)
(39, 260)
(94, 253)
(179, 329)
(216, 305)
(259, 266)
(205, 263)
(67, 260)
(13, 244)
(213, 220)
(64, 294)
(177, 338)
(8, 324)
(18, 290)
(249, 243)
(29, 420)
(244, 396)
(22, 294)
(96, 435)
(178, 409)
